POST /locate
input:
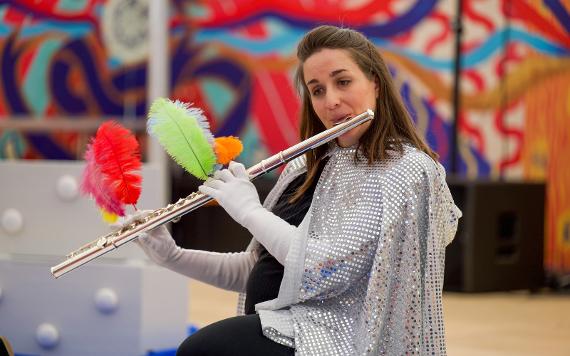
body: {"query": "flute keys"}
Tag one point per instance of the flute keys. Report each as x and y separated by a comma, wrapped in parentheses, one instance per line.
(102, 242)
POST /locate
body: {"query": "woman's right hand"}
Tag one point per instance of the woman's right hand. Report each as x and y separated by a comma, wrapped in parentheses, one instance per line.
(157, 243)
(224, 270)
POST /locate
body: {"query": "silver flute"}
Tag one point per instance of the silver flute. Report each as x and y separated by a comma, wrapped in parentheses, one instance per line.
(195, 200)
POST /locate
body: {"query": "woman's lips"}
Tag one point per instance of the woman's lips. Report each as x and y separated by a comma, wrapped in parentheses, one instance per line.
(340, 121)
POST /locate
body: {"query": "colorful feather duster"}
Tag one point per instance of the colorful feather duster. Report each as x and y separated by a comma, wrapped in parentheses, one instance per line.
(185, 134)
(117, 153)
(112, 172)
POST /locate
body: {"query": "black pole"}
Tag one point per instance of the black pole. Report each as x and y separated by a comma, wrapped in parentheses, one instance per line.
(506, 39)
(458, 29)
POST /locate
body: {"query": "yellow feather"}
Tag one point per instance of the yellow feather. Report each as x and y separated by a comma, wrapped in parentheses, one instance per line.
(108, 217)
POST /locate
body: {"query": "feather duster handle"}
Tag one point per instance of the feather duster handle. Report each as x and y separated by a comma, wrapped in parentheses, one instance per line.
(185, 134)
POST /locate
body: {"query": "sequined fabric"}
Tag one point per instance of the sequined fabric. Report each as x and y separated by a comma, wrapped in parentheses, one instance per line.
(365, 273)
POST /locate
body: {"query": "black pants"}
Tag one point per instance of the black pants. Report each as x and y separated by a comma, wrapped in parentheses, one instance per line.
(240, 335)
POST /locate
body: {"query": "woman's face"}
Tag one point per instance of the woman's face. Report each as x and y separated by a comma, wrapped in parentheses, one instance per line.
(339, 89)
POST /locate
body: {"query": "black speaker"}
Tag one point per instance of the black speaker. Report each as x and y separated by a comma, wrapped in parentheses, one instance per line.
(499, 243)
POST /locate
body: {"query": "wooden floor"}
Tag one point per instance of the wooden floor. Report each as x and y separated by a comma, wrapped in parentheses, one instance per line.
(515, 323)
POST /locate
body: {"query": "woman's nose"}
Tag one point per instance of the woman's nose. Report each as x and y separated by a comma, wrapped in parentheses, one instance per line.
(332, 99)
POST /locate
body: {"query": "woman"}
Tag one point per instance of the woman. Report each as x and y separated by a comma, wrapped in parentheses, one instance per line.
(348, 250)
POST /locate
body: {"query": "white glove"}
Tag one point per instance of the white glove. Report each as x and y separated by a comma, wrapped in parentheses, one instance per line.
(157, 243)
(224, 270)
(238, 196)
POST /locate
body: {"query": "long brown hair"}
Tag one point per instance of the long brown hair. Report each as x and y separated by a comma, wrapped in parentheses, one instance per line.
(392, 125)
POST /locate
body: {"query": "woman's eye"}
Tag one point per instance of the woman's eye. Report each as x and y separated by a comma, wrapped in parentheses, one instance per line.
(317, 91)
(344, 82)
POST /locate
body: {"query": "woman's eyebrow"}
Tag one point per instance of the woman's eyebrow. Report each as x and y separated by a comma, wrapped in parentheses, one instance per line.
(336, 72)
(333, 73)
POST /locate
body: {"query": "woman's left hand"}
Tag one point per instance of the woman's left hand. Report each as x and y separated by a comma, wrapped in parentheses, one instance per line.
(237, 195)
(233, 191)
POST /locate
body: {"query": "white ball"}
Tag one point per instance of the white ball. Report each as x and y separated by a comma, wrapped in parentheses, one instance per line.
(106, 300)
(47, 336)
(67, 188)
(12, 221)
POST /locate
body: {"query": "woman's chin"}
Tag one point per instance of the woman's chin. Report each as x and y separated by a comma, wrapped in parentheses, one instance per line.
(345, 142)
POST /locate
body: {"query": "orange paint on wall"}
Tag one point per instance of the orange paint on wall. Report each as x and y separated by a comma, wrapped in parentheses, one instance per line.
(545, 156)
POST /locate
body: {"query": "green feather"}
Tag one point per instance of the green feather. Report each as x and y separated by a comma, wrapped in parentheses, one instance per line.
(184, 133)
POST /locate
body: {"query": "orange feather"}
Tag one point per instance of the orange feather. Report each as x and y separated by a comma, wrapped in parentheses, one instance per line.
(227, 148)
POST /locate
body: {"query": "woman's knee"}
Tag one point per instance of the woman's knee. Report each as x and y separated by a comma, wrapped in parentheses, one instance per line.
(213, 339)
(230, 337)
(188, 347)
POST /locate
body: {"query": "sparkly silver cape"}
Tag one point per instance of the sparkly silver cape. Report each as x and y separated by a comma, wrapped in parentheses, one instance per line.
(365, 273)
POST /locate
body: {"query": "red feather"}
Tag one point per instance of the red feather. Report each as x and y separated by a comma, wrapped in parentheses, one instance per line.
(116, 151)
(94, 183)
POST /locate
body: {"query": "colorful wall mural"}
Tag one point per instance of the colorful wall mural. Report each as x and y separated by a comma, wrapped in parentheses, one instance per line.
(515, 105)
(249, 44)
(68, 59)
(235, 59)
